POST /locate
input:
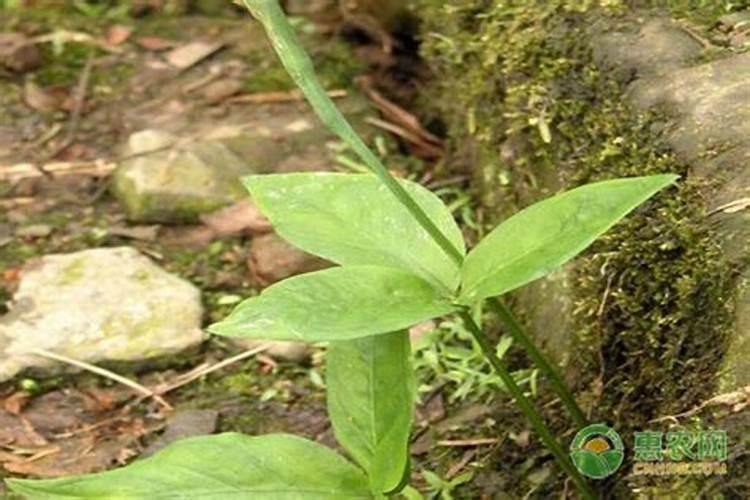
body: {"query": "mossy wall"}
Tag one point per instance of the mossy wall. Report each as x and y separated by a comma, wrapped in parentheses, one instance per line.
(528, 113)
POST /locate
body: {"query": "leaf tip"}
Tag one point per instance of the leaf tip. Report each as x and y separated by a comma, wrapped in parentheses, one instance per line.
(664, 180)
(221, 328)
(671, 178)
(249, 181)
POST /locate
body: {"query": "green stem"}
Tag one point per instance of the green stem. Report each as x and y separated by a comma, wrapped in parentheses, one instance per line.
(553, 376)
(300, 68)
(531, 414)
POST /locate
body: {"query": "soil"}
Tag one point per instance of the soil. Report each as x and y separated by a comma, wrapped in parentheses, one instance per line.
(58, 148)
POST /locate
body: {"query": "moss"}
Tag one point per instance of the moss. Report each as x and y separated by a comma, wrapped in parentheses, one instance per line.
(72, 272)
(63, 67)
(528, 113)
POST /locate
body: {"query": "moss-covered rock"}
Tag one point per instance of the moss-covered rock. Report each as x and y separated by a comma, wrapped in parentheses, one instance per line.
(529, 113)
(179, 184)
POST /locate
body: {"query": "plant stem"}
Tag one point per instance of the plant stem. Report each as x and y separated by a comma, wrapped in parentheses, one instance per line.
(300, 68)
(531, 414)
(558, 384)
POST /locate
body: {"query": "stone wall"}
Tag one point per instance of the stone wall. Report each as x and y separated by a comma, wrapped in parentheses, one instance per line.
(706, 106)
(542, 96)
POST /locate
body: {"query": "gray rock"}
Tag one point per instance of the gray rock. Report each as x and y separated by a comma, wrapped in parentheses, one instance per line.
(735, 20)
(147, 141)
(184, 424)
(294, 352)
(548, 306)
(709, 129)
(170, 179)
(34, 231)
(106, 304)
(708, 101)
(180, 184)
(735, 370)
(643, 47)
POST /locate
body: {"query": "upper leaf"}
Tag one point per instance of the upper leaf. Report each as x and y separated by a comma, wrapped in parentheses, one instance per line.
(544, 236)
(352, 219)
(371, 403)
(336, 304)
(226, 466)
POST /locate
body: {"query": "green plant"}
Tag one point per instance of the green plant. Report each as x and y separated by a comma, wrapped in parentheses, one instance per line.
(101, 9)
(443, 488)
(449, 356)
(402, 261)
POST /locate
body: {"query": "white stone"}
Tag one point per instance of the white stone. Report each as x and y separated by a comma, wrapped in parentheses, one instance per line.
(145, 141)
(105, 304)
(294, 352)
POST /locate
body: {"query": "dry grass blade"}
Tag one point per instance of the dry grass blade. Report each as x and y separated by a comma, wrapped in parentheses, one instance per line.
(79, 99)
(464, 443)
(280, 97)
(426, 149)
(204, 370)
(104, 373)
(15, 173)
(403, 123)
(738, 400)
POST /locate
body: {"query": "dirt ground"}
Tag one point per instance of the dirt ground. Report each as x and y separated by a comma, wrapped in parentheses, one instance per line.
(67, 109)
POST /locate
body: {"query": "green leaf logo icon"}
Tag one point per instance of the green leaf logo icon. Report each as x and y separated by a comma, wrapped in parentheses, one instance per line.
(597, 451)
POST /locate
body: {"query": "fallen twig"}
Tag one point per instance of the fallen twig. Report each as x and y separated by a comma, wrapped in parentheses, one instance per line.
(95, 168)
(402, 123)
(427, 148)
(731, 207)
(203, 370)
(91, 427)
(41, 454)
(465, 443)
(104, 373)
(279, 97)
(458, 467)
(739, 400)
(79, 98)
(65, 36)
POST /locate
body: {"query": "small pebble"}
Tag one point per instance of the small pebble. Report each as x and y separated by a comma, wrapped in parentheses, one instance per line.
(34, 231)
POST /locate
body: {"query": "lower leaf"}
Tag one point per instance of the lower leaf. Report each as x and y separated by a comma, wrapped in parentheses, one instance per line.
(226, 466)
(371, 404)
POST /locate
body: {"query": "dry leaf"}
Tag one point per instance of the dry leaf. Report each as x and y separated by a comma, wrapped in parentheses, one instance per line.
(191, 54)
(220, 90)
(15, 402)
(118, 34)
(40, 99)
(236, 219)
(155, 43)
(11, 275)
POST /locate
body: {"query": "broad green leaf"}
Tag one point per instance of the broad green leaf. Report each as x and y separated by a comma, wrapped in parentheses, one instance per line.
(336, 304)
(371, 401)
(352, 219)
(544, 236)
(226, 466)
